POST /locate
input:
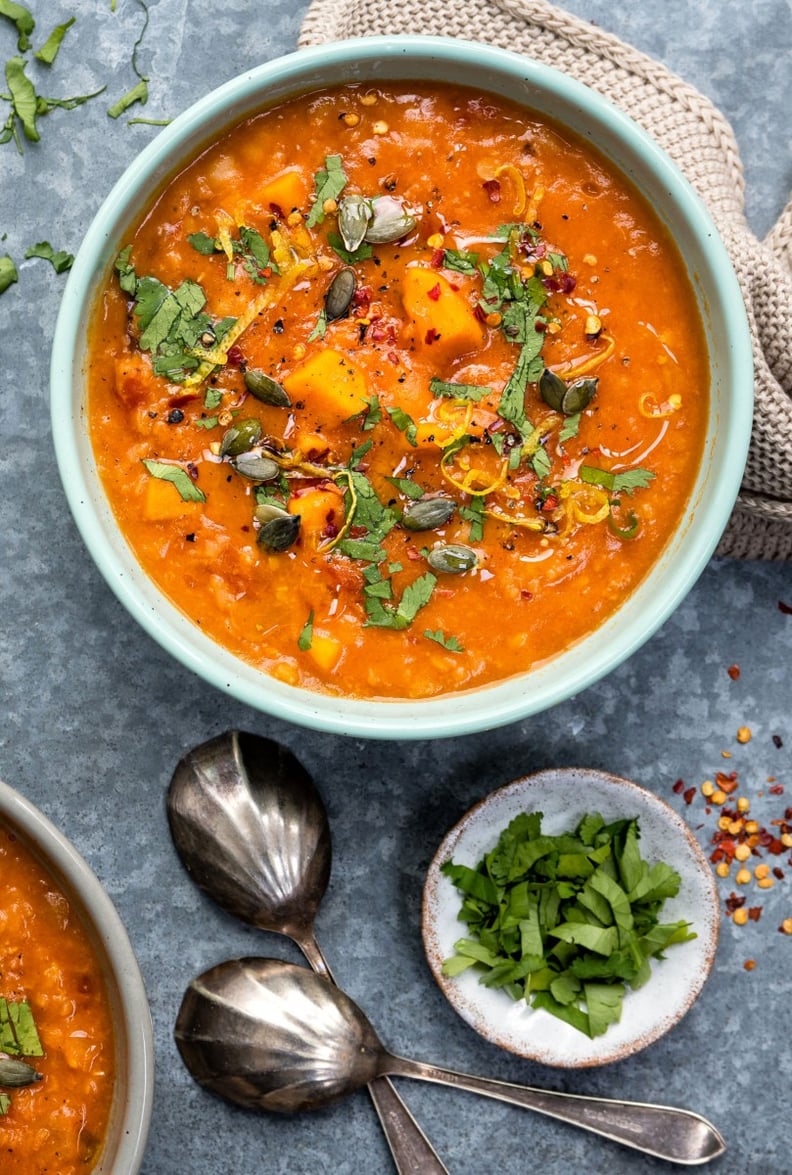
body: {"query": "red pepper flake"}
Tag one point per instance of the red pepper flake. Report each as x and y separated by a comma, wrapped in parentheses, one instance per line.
(414, 555)
(437, 258)
(777, 789)
(525, 594)
(362, 296)
(734, 902)
(688, 795)
(493, 190)
(479, 312)
(393, 358)
(754, 913)
(431, 336)
(778, 873)
(276, 210)
(192, 470)
(550, 503)
(567, 283)
(235, 356)
(778, 742)
(434, 293)
(678, 787)
(733, 672)
(785, 608)
(727, 783)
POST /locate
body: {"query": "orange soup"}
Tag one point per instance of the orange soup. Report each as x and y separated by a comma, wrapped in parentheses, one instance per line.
(396, 392)
(49, 975)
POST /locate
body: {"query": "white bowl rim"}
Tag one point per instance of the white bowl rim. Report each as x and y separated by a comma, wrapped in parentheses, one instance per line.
(446, 715)
(58, 853)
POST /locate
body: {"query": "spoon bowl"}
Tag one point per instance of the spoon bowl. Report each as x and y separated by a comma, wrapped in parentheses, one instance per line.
(252, 831)
(272, 1036)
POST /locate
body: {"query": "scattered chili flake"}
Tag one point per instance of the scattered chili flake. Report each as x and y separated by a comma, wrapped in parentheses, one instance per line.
(733, 672)
(437, 258)
(778, 742)
(754, 913)
(235, 356)
(434, 293)
(785, 608)
(431, 336)
(688, 795)
(727, 783)
(778, 873)
(734, 902)
(678, 787)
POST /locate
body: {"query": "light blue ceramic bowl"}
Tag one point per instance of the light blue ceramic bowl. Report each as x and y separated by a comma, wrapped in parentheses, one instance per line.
(637, 156)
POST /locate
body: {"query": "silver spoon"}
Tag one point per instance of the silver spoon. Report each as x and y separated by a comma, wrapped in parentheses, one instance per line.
(272, 1036)
(251, 829)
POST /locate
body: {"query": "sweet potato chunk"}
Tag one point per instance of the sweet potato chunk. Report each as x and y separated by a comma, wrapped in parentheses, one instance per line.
(440, 317)
(329, 383)
(286, 191)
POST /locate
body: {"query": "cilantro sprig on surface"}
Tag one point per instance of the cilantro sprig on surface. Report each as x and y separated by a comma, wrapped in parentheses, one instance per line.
(565, 922)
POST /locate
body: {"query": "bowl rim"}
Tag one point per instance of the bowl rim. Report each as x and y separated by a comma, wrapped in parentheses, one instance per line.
(576, 782)
(61, 859)
(445, 715)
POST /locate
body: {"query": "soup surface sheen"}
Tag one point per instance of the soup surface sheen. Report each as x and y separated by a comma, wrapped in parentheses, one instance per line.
(57, 1125)
(487, 414)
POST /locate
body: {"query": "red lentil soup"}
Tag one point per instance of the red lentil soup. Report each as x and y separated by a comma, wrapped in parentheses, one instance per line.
(56, 1125)
(398, 391)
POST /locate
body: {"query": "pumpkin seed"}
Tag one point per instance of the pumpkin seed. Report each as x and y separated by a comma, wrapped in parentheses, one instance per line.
(354, 214)
(280, 532)
(266, 511)
(579, 395)
(14, 1073)
(256, 466)
(552, 389)
(389, 221)
(240, 437)
(428, 513)
(339, 296)
(267, 389)
(452, 558)
(569, 398)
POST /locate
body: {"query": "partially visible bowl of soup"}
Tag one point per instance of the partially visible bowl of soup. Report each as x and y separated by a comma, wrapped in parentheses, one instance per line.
(402, 387)
(76, 1052)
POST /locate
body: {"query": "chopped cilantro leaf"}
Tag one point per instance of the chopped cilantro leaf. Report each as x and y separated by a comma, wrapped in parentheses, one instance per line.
(306, 635)
(138, 93)
(615, 483)
(448, 642)
(60, 261)
(570, 427)
(188, 490)
(203, 243)
(460, 260)
(8, 273)
(459, 391)
(320, 329)
(407, 486)
(49, 50)
(405, 424)
(473, 513)
(373, 414)
(330, 182)
(22, 18)
(362, 253)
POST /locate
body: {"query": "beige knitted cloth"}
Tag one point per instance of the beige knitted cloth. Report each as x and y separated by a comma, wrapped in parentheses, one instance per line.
(702, 144)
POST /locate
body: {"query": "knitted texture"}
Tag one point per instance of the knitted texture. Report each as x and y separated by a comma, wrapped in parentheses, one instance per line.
(702, 144)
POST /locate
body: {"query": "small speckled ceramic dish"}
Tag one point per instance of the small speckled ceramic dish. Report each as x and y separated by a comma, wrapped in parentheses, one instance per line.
(564, 795)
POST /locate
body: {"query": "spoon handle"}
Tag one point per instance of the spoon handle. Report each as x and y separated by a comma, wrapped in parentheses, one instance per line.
(413, 1153)
(679, 1136)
